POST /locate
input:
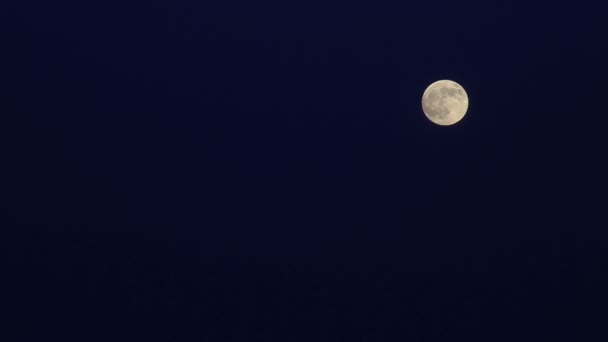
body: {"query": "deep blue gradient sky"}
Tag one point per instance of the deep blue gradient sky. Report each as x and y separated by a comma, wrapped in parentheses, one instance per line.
(262, 171)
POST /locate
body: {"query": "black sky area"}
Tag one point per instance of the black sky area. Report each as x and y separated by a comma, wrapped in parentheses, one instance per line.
(262, 171)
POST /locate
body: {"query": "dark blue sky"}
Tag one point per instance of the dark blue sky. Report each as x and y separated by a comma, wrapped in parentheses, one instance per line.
(258, 171)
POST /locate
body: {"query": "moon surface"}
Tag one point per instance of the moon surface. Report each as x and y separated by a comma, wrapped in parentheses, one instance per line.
(445, 102)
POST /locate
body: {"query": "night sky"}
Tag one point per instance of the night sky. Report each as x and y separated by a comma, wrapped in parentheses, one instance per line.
(263, 171)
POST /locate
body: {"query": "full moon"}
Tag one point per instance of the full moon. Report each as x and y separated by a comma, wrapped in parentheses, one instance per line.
(445, 102)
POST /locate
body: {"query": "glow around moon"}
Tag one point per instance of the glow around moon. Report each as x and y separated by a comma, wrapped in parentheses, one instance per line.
(445, 102)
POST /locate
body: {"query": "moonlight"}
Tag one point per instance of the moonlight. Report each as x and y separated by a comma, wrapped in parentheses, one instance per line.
(445, 102)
